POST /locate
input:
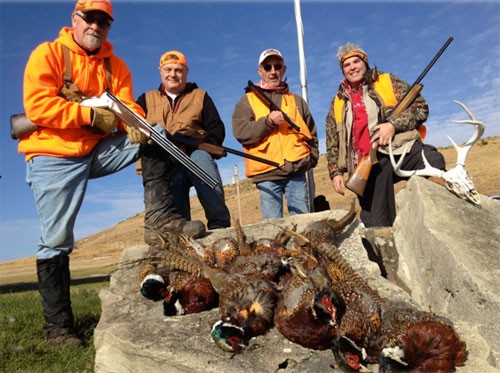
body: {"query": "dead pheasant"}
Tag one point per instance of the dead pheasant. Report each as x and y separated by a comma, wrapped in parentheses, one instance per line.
(225, 251)
(246, 301)
(359, 320)
(418, 341)
(164, 275)
(153, 276)
(308, 310)
(189, 294)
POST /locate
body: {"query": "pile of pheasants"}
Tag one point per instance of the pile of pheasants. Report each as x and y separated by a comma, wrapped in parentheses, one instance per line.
(301, 285)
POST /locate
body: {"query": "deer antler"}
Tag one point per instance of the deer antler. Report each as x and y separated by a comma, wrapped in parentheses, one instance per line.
(457, 180)
(478, 132)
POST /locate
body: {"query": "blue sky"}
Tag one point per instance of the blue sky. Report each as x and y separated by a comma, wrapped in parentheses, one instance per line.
(222, 41)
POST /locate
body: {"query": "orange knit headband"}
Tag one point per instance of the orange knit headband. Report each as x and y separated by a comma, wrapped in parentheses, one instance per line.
(359, 54)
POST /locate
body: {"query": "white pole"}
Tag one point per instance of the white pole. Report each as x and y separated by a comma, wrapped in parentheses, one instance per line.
(311, 189)
(302, 56)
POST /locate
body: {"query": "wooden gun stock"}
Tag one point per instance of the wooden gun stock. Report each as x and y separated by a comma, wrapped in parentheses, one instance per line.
(20, 125)
(357, 181)
(359, 178)
(217, 151)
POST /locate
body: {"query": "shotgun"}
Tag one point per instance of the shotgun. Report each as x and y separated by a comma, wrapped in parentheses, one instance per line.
(21, 125)
(259, 92)
(218, 151)
(133, 119)
(357, 181)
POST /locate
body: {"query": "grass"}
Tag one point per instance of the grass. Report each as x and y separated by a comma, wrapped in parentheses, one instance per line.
(22, 347)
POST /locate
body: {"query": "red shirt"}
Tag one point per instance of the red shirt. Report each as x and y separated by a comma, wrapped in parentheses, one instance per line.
(360, 131)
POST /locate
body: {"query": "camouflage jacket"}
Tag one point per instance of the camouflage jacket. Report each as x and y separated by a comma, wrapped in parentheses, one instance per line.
(339, 151)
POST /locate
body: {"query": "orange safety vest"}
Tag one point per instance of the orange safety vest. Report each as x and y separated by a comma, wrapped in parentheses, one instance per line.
(383, 88)
(283, 144)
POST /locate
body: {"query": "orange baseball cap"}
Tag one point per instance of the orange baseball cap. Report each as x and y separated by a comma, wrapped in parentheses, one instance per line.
(89, 5)
(173, 57)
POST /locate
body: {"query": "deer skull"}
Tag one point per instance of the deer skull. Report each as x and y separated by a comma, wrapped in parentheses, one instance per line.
(456, 180)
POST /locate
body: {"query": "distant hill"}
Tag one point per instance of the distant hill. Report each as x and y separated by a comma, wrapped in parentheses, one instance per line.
(100, 252)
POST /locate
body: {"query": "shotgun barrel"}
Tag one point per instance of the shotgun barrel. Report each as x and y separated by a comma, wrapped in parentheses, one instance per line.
(133, 119)
(216, 149)
(268, 102)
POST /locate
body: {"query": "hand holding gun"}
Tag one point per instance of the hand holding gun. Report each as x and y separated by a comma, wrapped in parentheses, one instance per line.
(259, 92)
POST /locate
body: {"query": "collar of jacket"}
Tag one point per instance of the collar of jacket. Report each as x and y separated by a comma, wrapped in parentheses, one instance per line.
(189, 88)
(284, 88)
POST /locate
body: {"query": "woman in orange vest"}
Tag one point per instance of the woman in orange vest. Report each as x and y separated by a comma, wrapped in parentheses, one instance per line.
(266, 134)
(356, 120)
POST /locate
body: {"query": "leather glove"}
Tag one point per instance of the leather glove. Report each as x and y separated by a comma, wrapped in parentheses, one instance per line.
(104, 119)
(135, 136)
(70, 95)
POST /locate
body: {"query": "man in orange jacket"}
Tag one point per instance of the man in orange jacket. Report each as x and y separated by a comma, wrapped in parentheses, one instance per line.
(73, 144)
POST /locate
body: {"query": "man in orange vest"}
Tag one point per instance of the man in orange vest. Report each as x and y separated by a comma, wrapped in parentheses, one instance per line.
(356, 113)
(265, 133)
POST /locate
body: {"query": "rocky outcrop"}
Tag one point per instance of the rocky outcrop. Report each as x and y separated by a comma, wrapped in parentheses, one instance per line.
(133, 335)
(449, 257)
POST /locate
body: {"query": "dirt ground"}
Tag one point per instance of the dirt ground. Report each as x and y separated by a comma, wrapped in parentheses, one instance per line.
(99, 253)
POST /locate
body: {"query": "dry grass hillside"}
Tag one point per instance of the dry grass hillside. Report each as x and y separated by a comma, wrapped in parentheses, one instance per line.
(100, 252)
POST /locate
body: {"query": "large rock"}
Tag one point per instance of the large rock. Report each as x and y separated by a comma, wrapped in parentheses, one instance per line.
(449, 252)
(133, 335)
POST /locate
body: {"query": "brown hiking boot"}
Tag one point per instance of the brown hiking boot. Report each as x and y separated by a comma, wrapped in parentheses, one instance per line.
(155, 236)
(69, 339)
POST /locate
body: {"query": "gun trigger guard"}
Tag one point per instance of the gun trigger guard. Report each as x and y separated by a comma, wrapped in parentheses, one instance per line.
(374, 133)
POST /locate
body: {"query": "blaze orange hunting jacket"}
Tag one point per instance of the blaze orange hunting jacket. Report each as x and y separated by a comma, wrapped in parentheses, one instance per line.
(64, 125)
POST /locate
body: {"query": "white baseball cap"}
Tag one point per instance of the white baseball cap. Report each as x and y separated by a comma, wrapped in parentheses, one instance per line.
(269, 53)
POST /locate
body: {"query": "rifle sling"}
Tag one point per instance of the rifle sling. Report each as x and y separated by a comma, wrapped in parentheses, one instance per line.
(20, 125)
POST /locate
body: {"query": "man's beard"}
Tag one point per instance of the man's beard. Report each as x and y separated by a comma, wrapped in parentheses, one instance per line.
(91, 42)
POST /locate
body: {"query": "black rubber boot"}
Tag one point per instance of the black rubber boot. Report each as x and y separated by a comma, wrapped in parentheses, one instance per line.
(161, 215)
(53, 284)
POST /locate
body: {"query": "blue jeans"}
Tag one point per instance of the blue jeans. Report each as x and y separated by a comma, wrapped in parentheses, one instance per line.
(271, 196)
(59, 186)
(212, 200)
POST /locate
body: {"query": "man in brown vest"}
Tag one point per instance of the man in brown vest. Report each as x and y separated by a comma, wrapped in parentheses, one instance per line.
(182, 108)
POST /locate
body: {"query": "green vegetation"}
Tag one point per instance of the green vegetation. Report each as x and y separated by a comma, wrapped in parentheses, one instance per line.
(22, 347)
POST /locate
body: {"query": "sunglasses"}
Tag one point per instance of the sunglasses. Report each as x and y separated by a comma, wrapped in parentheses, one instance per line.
(90, 19)
(267, 67)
